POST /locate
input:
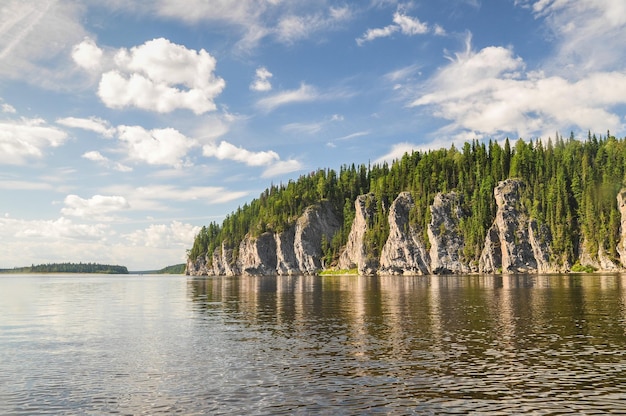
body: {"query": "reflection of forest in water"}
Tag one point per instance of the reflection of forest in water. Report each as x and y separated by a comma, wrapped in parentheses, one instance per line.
(400, 315)
(542, 342)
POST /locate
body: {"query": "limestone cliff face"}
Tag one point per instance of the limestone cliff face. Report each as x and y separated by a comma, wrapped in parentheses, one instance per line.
(316, 223)
(621, 246)
(515, 243)
(298, 250)
(228, 260)
(405, 251)
(286, 262)
(446, 240)
(198, 267)
(355, 254)
(257, 256)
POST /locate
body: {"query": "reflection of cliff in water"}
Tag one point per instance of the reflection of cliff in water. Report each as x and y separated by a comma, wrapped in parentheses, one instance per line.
(420, 318)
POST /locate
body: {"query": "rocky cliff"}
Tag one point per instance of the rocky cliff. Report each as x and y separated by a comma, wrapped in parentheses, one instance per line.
(515, 242)
(355, 254)
(405, 251)
(446, 240)
(298, 250)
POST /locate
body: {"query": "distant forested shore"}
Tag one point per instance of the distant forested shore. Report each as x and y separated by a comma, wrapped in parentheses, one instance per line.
(69, 268)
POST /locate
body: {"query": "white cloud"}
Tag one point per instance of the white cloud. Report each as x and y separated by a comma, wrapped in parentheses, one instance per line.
(305, 93)
(262, 80)
(87, 55)
(95, 156)
(94, 124)
(282, 167)
(409, 25)
(98, 207)
(215, 125)
(275, 166)
(153, 197)
(61, 228)
(590, 33)
(98, 157)
(35, 38)
(8, 108)
(174, 235)
(255, 20)
(303, 128)
(292, 28)
(354, 135)
(158, 76)
(25, 139)
(155, 147)
(402, 23)
(372, 34)
(489, 93)
(397, 151)
(228, 151)
(23, 242)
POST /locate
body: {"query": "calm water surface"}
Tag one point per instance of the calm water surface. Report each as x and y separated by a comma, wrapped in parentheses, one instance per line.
(312, 345)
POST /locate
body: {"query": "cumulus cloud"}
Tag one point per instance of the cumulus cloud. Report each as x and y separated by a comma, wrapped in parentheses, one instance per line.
(155, 147)
(229, 151)
(98, 207)
(26, 139)
(275, 166)
(489, 92)
(174, 235)
(94, 124)
(402, 23)
(261, 80)
(157, 76)
(87, 55)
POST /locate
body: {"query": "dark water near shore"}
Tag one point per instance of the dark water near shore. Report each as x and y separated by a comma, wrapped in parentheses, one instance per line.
(310, 345)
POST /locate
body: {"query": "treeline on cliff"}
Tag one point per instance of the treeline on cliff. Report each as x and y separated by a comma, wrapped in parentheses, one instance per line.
(571, 187)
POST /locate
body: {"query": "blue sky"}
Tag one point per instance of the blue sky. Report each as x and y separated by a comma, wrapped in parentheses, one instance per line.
(126, 126)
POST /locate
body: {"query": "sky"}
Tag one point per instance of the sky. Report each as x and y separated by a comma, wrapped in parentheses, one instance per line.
(125, 126)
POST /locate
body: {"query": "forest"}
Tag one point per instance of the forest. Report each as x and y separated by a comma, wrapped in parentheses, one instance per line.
(69, 268)
(570, 185)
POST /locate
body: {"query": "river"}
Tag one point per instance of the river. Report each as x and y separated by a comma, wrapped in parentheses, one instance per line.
(91, 344)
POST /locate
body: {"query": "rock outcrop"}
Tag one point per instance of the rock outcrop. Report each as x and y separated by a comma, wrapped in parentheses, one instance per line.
(315, 224)
(355, 254)
(515, 243)
(446, 240)
(257, 256)
(298, 250)
(621, 246)
(405, 251)
(286, 262)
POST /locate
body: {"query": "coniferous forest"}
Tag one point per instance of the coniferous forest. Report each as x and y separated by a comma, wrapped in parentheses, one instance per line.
(570, 186)
(70, 268)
